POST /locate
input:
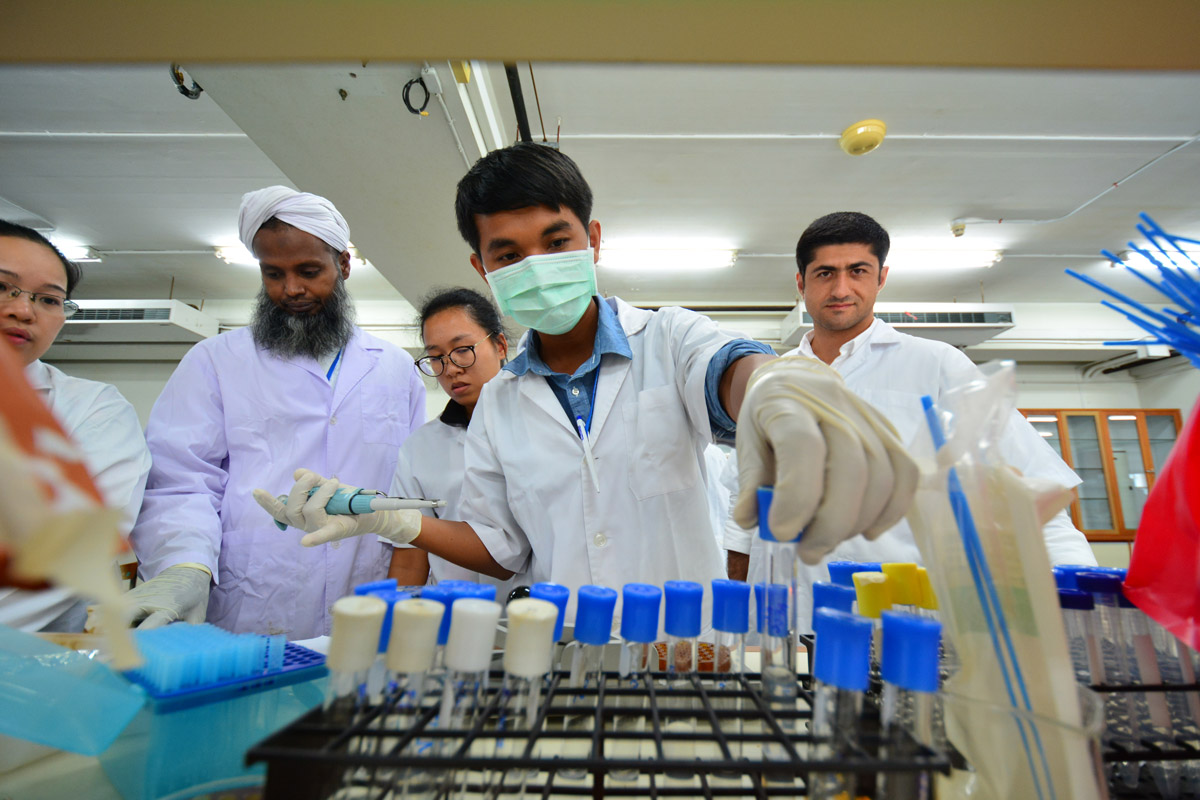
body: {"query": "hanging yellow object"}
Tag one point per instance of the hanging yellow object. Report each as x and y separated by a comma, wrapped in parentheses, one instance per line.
(461, 70)
(863, 137)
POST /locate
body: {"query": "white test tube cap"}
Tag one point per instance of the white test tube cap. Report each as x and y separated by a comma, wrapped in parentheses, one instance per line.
(529, 648)
(415, 624)
(472, 634)
(354, 639)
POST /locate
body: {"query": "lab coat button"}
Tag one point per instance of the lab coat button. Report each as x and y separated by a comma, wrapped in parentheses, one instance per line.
(575, 391)
(600, 539)
(333, 420)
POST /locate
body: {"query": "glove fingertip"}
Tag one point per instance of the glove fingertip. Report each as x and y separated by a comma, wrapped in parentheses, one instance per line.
(312, 539)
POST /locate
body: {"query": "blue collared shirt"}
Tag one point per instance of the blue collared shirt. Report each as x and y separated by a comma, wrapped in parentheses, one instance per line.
(574, 392)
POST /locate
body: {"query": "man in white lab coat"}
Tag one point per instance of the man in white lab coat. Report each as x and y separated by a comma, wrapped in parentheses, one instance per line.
(36, 282)
(842, 261)
(584, 457)
(301, 385)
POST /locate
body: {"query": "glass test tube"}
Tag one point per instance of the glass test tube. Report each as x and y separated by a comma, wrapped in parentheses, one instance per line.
(557, 594)
(830, 595)
(731, 623)
(353, 643)
(468, 656)
(1157, 726)
(639, 628)
(909, 708)
(1082, 641)
(410, 652)
(682, 624)
(841, 675)
(873, 594)
(593, 630)
(528, 655)
(377, 675)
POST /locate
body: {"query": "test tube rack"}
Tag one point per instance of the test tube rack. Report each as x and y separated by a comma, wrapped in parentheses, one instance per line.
(1120, 746)
(315, 758)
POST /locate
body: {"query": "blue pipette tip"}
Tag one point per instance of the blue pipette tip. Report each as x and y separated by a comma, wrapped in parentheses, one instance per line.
(682, 616)
(553, 593)
(593, 617)
(731, 606)
(639, 612)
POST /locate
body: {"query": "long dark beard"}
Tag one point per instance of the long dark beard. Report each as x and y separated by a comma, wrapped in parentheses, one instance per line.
(289, 335)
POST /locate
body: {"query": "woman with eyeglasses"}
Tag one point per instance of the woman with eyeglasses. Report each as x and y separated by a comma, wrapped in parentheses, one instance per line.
(465, 347)
(36, 281)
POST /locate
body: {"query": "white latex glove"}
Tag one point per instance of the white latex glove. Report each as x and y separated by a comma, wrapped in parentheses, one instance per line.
(836, 463)
(308, 514)
(176, 593)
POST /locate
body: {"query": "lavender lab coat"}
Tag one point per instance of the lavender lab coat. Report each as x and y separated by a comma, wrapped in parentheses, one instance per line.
(234, 418)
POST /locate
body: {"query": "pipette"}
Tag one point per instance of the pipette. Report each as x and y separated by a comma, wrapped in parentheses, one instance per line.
(639, 629)
(910, 685)
(841, 674)
(593, 630)
(348, 500)
(528, 653)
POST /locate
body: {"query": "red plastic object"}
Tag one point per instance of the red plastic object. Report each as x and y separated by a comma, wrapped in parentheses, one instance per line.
(1164, 570)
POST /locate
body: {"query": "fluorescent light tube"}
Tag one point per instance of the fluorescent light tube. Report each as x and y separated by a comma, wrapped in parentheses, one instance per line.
(236, 254)
(906, 260)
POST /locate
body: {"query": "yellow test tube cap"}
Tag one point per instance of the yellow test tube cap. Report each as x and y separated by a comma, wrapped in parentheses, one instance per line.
(928, 596)
(906, 591)
(873, 592)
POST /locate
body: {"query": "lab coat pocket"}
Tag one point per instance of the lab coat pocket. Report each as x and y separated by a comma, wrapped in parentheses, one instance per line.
(384, 415)
(663, 451)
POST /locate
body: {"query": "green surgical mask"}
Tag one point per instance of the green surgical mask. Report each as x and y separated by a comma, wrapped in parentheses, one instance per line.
(549, 292)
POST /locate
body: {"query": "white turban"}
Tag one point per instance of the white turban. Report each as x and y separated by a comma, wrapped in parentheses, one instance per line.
(309, 212)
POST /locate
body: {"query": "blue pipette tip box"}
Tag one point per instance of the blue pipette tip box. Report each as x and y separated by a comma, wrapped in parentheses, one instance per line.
(193, 736)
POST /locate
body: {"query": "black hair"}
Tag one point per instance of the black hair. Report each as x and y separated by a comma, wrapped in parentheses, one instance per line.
(520, 176)
(74, 273)
(275, 223)
(842, 227)
(481, 309)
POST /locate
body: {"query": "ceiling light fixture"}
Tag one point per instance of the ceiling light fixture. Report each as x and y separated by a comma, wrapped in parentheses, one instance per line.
(942, 259)
(1133, 258)
(79, 253)
(236, 254)
(651, 259)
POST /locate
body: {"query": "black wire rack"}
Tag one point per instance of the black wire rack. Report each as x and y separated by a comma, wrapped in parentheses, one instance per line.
(1142, 764)
(702, 735)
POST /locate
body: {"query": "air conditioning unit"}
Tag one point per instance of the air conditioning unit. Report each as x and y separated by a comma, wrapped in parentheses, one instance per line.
(959, 324)
(131, 329)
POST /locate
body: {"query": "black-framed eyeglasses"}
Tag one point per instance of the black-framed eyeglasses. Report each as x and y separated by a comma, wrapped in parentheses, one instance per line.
(40, 300)
(461, 357)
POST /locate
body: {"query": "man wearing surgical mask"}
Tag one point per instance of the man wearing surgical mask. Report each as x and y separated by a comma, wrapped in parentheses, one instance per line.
(584, 458)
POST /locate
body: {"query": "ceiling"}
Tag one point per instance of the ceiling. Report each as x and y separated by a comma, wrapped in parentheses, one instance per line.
(115, 158)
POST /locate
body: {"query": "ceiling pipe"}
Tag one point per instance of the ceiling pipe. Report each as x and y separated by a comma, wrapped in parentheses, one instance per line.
(518, 98)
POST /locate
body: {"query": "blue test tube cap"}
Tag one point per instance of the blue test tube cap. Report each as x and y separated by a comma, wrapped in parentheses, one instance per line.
(387, 584)
(770, 600)
(1075, 600)
(444, 596)
(731, 606)
(843, 657)
(593, 616)
(1064, 577)
(765, 495)
(1099, 582)
(555, 593)
(682, 613)
(910, 651)
(1123, 601)
(639, 612)
(391, 597)
(483, 591)
(832, 595)
(842, 572)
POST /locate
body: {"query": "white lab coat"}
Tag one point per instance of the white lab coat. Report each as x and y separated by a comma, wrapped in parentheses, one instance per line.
(431, 466)
(892, 370)
(107, 430)
(528, 492)
(234, 418)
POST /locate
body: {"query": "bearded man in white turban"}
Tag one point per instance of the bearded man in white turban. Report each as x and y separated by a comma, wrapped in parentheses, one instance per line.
(302, 384)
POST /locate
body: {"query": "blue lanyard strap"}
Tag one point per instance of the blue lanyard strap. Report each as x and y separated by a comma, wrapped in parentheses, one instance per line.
(587, 425)
(333, 366)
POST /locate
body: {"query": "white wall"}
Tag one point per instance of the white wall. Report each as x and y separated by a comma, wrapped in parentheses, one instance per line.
(1177, 389)
(1063, 386)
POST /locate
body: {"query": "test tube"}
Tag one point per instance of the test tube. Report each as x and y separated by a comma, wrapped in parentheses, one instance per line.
(682, 625)
(873, 593)
(1077, 609)
(779, 641)
(830, 595)
(468, 655)
(593, 630)
(731, 622)
(528, 654)
(639, 628)
(410, 652)
(905, 586)
(557, 594)
(910, 684)
(841, 676)
(1156, 726)
(377, 675)
(353, 643)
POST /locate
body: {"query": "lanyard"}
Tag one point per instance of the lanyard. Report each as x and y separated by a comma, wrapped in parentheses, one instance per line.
(585, 429)
(333, 366)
